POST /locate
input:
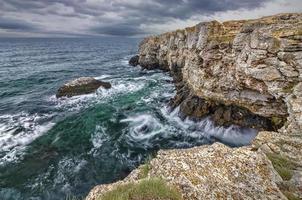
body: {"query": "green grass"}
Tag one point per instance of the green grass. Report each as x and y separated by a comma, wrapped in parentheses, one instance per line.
(283, 166)
(290, 196)
(144, 169)
(147, 189)
(289, 190)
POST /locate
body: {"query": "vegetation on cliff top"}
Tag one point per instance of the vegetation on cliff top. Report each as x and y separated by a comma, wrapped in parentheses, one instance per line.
(146, 189)
(282, 165)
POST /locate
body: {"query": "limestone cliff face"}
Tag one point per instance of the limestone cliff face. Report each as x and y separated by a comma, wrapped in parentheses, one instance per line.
(253, 64)
(238, 70)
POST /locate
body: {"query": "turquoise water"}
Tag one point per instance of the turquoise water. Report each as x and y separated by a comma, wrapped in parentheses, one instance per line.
(53, 148)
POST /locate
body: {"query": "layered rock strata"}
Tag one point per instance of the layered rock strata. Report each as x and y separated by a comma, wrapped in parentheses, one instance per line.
(244, 72)
(249, 65)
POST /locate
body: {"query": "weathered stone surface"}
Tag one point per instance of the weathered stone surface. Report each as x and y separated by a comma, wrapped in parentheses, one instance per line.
(79, 86)
(247, 63)
(211, 172)
(288, 149)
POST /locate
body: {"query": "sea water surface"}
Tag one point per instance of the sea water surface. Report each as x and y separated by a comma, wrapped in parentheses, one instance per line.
(59, 148)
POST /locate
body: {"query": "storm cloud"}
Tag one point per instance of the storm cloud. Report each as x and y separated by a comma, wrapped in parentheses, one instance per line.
(126, 17)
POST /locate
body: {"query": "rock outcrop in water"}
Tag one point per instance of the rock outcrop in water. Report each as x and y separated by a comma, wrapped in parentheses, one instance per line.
(134, 61)
(79, 86)
(245, 72)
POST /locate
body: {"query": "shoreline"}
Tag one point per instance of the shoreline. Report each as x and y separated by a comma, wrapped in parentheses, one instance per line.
(245, 72)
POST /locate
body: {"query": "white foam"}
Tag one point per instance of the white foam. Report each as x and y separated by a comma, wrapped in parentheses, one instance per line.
(125, 61)
(18, 131)
(105, 76)
(120, 87)
(99, 137)
(76, 103)
(145, 129)
(233, 135)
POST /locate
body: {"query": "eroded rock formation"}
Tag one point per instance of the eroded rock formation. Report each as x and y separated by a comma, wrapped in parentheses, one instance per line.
(252, 64)
(244, 72)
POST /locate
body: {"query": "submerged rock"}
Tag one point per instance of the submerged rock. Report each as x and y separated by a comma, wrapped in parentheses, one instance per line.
(134, 61)
(79, 86)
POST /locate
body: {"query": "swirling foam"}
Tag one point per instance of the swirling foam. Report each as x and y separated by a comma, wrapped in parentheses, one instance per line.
(146, 130)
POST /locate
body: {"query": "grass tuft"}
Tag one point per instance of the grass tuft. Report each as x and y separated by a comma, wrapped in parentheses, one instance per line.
(144, 169)
(283, 166)
(147, 189)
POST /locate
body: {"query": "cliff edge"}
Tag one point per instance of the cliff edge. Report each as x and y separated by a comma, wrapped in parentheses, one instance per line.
(245, 72)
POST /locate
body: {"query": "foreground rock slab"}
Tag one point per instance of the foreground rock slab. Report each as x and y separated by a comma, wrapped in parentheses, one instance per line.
(79, 86)
(210, 172)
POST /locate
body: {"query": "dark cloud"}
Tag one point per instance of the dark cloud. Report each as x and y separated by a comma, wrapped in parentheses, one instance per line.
(118, 30)
(115, 17)
(16, 25)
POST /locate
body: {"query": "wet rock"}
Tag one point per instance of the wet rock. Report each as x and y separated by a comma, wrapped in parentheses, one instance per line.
(195, 107)
(228, 115)
(134, 61)
(79, 86)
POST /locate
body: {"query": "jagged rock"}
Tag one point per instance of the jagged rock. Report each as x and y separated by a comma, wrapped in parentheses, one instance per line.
(134, 61)
(247, 63)
(79, 86)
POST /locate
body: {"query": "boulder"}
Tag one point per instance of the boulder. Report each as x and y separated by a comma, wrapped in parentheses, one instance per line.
(134, 61)
(79, 86)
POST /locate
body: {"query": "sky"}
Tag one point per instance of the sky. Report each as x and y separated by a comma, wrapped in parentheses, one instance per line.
(128, 18)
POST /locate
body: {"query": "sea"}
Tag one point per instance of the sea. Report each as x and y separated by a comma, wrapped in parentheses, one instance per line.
(54, 149)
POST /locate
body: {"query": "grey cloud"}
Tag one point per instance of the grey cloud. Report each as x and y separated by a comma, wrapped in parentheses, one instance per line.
(118, 30)
(17, 25)
(130, 15)
(156, 8)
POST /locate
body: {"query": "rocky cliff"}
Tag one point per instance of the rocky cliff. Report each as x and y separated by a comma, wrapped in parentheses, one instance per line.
(245, 72)
(227, 69)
